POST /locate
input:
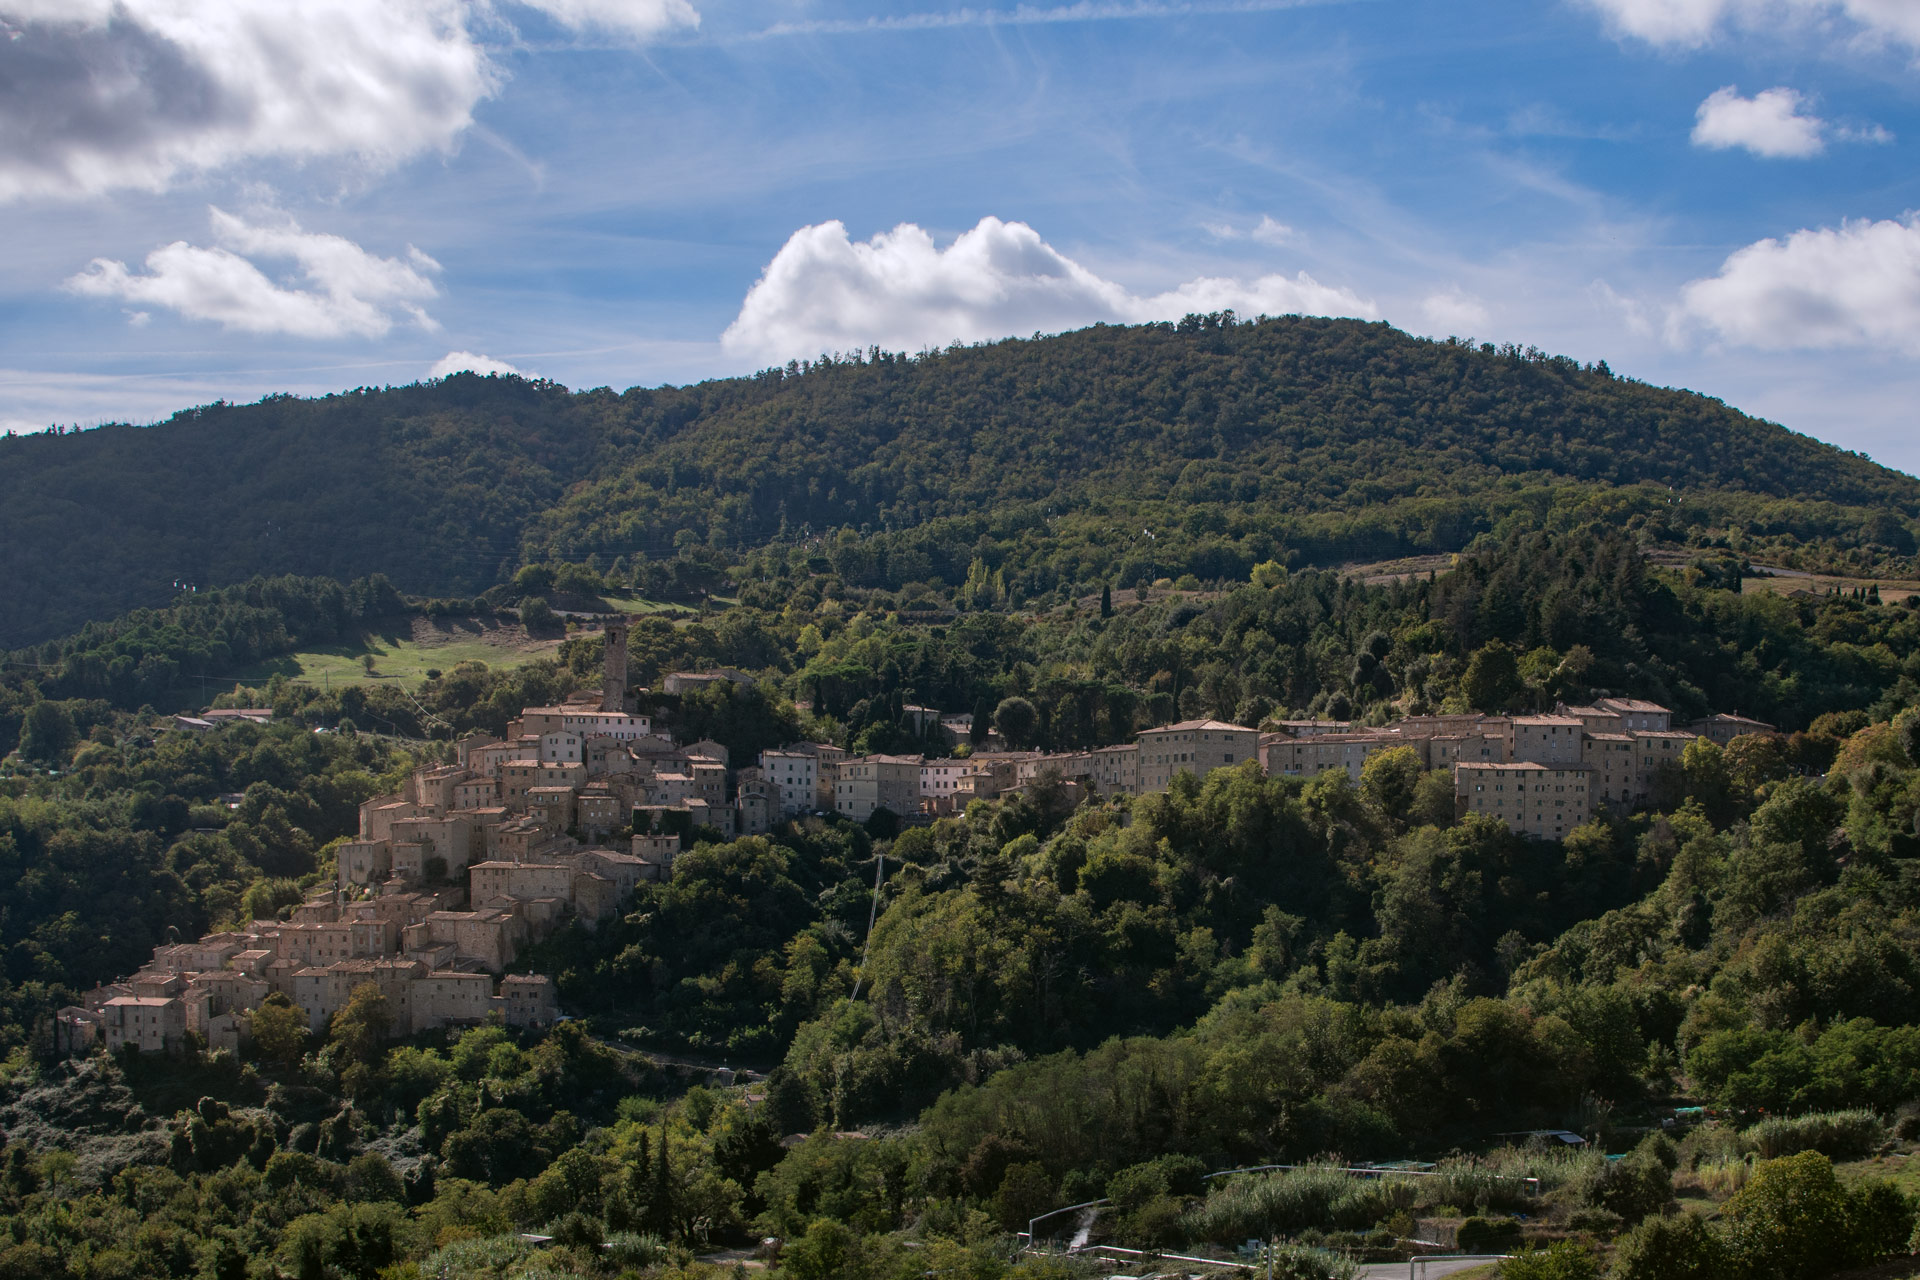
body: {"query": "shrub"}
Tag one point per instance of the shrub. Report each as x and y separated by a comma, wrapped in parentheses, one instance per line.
(1790, 1220)
(1599, 1222)
(1563, 1261)
(1633, 1187)
(1487, 1235)
(1839, 1135)
(1658, 1146)
(1714, 1143)
(1500, 1183)
(1880, 1221)
(629, 1251)
(1298, 1262)
(1324, 1198)
(1679, 1247)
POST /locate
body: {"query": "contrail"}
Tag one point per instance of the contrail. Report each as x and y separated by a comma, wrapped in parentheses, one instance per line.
(1029, 15)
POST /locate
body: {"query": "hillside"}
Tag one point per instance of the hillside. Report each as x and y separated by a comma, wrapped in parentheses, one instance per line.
(1122, 454)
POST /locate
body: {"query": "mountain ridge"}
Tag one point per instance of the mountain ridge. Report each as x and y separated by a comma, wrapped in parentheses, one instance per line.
(1227, 442)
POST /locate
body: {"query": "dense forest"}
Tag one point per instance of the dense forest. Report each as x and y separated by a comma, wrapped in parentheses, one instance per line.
(1055, 1003)
(1029, 468)
(953, 1028)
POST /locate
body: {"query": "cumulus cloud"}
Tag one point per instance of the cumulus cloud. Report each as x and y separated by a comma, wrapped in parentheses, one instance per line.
(469, 362)
(349, 292)
(1456, 313)
(97, 95)
(634, 19)
(1690, 23)
(825, 292)
(1770, 124)
(1857, 285)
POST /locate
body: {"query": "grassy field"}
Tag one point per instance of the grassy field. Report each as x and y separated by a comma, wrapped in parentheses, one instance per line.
(1901, 1168)
(1892, 590)
(639, 605)
(407, 656)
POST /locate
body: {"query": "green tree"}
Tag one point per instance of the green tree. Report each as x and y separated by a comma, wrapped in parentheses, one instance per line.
(828, 1251)
(1025, 1192)
(538, 617)
(361, 1027)
(1017, 721)
(1708, 780)
(279, 1029)
(371, 1179)
(1433, 799)
(48, 733)
(1389, 779)
(1492, 683)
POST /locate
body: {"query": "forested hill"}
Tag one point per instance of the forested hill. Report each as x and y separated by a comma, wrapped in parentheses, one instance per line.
(1108, 454)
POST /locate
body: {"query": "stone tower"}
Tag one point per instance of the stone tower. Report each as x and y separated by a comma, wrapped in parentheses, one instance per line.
(613, 685)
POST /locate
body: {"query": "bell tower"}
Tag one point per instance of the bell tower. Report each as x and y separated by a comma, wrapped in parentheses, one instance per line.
(613, 683)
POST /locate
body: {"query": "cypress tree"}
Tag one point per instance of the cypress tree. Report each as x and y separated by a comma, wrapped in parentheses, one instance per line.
(660, 1204)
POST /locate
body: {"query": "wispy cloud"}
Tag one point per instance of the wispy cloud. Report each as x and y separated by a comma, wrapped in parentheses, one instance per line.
(1456, 313)
(1266, 231)
(1030, 15)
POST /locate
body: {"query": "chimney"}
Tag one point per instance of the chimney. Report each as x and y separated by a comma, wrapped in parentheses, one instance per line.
(613, 685)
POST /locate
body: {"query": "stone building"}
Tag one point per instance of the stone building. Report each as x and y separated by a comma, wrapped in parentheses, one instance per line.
(1545, 801)
(1193, 746)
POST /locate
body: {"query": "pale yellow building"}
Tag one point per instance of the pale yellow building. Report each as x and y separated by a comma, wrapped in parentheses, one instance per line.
(1533, 799)
(1192, 746)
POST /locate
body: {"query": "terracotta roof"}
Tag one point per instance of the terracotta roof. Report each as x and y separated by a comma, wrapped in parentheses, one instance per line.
(1631, 704)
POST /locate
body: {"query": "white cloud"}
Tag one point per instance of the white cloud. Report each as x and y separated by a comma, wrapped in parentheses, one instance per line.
(824, 292)
(1455, 313)
(1769, 124)
(1266, 231)
(635, 19)
(1687, 22)
(1631, 312)
(468, 362)
(100, 94)
(1026, 15)
(1855, 286)
(350, 291)
(97, 95)
(1691, 23)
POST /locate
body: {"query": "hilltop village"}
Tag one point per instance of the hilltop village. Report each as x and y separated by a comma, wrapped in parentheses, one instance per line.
(447, 881)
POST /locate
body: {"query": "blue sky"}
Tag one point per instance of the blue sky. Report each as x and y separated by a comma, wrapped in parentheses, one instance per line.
(225, 198)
